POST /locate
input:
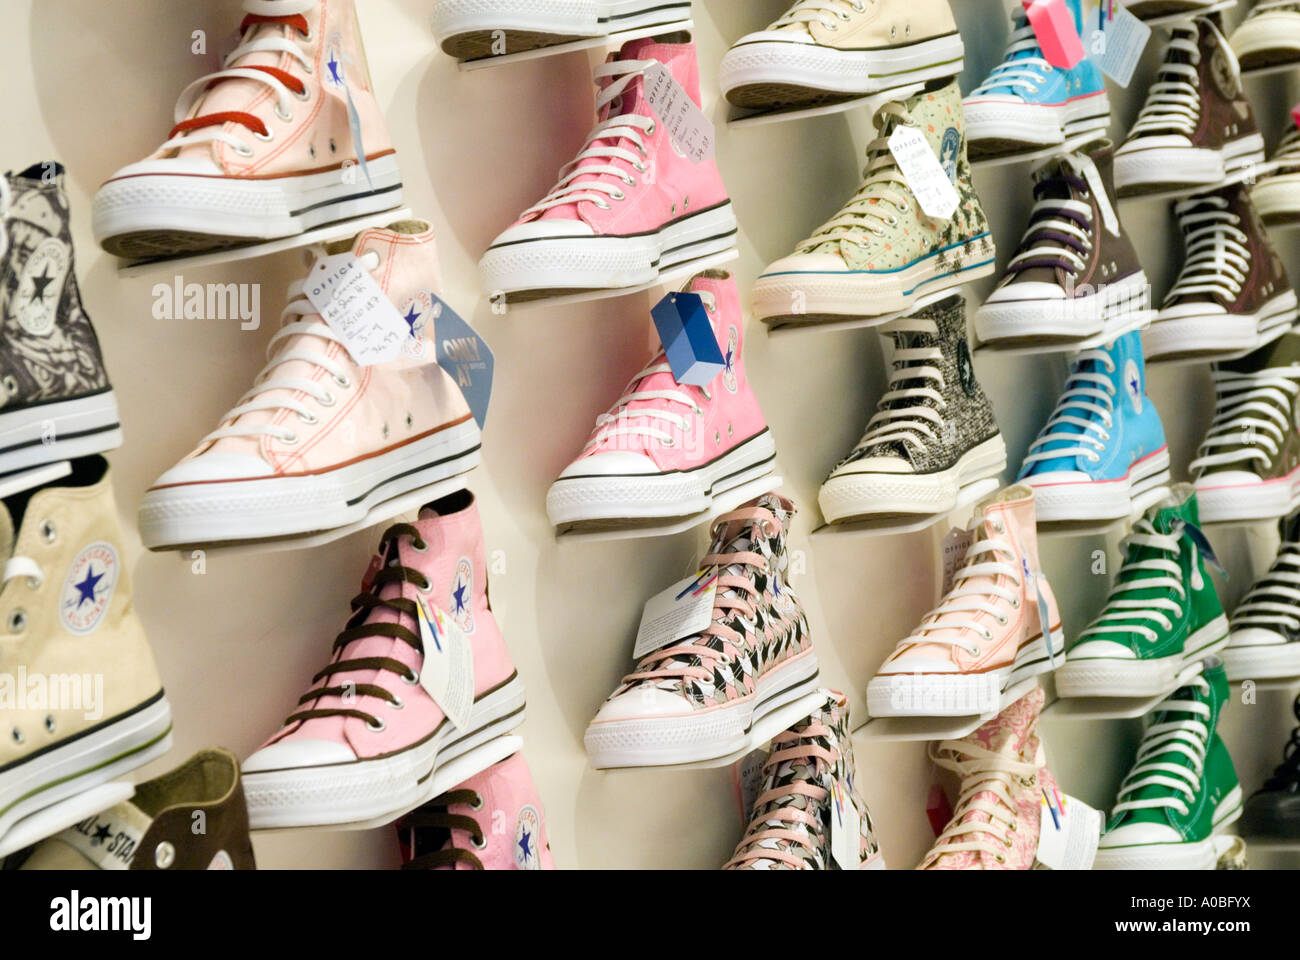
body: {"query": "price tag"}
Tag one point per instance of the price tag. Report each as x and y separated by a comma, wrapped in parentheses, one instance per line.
(846, 840)
(691, 132)
(1055, 31)
(923, 172)
(1116, 47)
(465, 356)
(1068, 832)
(953, 550)
(747, 778)
(688, 339)
(448, 671)
(683, 610)
(351, 303)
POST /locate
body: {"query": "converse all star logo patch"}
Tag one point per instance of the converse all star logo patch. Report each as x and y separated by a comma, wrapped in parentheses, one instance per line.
(729, 360)
(949, 147)
(419, 313)
(461, 606)
(528, 837)
(40, 287)
(88, 588)
(1133, 385)
(965, 368)
(1223, 77)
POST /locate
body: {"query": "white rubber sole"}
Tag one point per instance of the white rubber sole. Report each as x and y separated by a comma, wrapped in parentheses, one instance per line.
(531, 269)
(369, 790)
(1100, 499)
(1196, 855)
(1074, 319)
(87, 760)
(817, 71)
(455, 22)
(265, 508)
(848, 496)
(161, 215)
(1261, 661)
(50, 432)
(1277, 36)
(647, 496)
(1277, 198)
(1231, 503)
(1100, 677)
(798, 298)
(958, 694)
(702, 734)
(1218, 334)
(1156, 169)
(993, 125)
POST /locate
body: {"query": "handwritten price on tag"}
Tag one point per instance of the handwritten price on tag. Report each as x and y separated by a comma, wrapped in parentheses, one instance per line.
(923, 172)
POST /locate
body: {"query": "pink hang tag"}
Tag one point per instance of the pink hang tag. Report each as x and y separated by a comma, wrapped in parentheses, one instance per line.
(1057, 35)
(1295, 114)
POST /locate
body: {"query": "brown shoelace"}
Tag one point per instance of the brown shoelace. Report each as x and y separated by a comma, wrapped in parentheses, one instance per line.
(435, 815)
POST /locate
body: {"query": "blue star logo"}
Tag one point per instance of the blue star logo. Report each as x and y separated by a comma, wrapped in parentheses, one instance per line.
(526, 845)
(458, 597)
(730, 359)
(1133, 385)
(86, 588)
(411, 318)
(333, 64)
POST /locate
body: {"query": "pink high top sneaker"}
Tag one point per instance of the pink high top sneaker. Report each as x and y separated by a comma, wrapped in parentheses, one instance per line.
(629, 206)
(986, 634)
(665, 449)
(1004, 785)
(319, 442)
(492, 821)
(365, 739)
(264, 147)
(698, 698)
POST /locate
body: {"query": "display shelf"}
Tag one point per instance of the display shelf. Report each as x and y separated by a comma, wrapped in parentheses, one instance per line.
(858, 323)
(1116, 708)
(1100, 528)
(1171, 18)
(44, 823)
(1272, 70)
(1285, 684)
(21, 480)
(575, 46)
(968, 495)
(1114, 328)
(1068, 145)
(339, 230)
(939, 728)
(722, 503)
(869, 102)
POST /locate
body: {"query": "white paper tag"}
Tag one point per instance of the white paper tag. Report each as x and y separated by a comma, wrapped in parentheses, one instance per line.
(351, 303)
(1117, 48)
(953, 550)
(448, 671)
(923, 172)
(1068, 832)
(691, 132)
(846, 840)
(681, 611)
(747, 775)
(1098, 189)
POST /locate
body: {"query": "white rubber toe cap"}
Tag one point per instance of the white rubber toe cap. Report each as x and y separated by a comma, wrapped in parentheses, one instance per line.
(174, 166)
(917, 664)
(873, 465)
(776, 36)
(1101, 650)
(807, 263)
(557, 228)
(615, 463)
(1131, 834)
(1033, 290)
(1227, 478)
(215, 466)
(1255, 637)
(641, 703)
(298, 753)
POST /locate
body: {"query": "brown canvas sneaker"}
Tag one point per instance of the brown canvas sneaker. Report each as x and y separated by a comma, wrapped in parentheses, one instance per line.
(1232, 294)
(1276, 193)
(1248, 466)
(1196, 127)
(1075, 274)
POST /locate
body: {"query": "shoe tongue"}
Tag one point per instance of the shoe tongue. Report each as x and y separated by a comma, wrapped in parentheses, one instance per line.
(1050, 182)
(106, 841)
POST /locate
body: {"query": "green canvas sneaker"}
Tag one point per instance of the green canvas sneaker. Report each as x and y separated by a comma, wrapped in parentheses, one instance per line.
(1181, 789)
(1162, 614)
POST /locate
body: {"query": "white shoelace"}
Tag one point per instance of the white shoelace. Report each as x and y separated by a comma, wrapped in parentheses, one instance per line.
(820, 11)
(291, 325)
(16, 567)
(1217, 256)
(1173, 103)
(1023, 74)
(262, 44)
(981, 771)
(577, 178)
(620, 421)
(1252, 412)
(1274, 602)
(901, 415)
(1086, 392)
(1188, 737)
(1287, 153)
(1168, 574)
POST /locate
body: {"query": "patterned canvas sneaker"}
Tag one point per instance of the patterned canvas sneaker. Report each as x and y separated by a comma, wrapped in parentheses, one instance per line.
(1181, 789)
(1162, 614)
(1196, 126)
(286, 136)
(57, 402)
(478, 29)
(1103, 446)
(1276, 193)
(1004, 779)
(1273, 810)
(1075, 274)
(1265, 639)
(319, 440)
(1027, 104)
(986, 634)
(881, 253)
(156, 828)
(809, 779)
(666, 449)
(66, 602)
(933, 431)
(365, 739)
(492, 821)
(629, 206)
(1232, 293)
(698, 698)
(1248, 465)
(824, 51)
(1269, 37)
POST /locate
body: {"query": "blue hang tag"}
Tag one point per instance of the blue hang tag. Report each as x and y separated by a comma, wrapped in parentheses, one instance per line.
(336, 82)
(1197, 536)
(464, 355)
(688, 338)
(1115, 42)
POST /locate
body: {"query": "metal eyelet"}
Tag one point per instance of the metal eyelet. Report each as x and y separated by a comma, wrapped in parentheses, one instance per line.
(428, 585)
(602, 204)
(638, 166)
(244, 150)
(328, 400)
(284, 115)
(164, 855)
(17, 621)
(344, 381)
(480, 843)
(412, 680)
(11, 384)
(49, 723)
(1015, 604)
(397, 703)
(305, 95)
(619, 195)
(309, 418)
(48, 531)
(420, 546)
(265, 138)
(650, 131)
(308, 36)
(1002, 620)
(478, 802)
(289, 439)
(377, 726)
(18, 736)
